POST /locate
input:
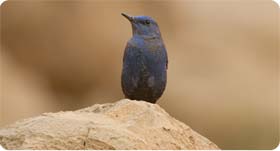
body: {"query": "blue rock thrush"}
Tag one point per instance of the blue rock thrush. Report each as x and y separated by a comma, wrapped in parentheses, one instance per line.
(144, 62)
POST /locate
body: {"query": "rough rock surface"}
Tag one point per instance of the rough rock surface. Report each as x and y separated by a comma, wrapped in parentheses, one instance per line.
(125, 124)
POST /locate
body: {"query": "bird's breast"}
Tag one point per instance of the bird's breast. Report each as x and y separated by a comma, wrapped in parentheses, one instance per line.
(146, 52)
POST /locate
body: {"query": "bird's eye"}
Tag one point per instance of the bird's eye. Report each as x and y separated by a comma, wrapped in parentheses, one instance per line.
(147, 22)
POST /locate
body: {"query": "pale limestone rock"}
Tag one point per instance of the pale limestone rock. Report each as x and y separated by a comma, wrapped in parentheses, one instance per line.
(125, 124)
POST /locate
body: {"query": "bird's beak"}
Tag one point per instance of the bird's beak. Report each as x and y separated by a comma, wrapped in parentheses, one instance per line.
(130, 18)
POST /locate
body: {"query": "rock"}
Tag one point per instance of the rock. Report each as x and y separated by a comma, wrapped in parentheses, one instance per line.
(122, 125)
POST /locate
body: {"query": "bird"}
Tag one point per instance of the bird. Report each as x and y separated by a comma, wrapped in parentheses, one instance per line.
(145, 61)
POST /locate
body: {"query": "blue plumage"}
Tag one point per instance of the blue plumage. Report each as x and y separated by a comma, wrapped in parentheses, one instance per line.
(145, 61)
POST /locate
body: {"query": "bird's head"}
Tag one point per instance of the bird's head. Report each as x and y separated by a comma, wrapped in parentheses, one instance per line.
(143, 26)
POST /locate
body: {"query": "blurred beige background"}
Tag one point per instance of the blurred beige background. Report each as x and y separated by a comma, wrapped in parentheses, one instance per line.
(222, 76)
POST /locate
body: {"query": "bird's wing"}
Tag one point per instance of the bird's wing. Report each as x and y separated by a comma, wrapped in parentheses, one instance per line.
(130, 50)
(132, 58)
(130, 72)
(166, 57)
(166, 61)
